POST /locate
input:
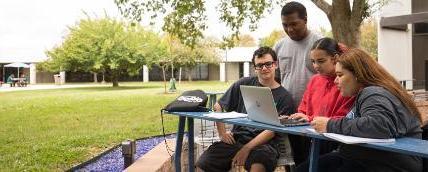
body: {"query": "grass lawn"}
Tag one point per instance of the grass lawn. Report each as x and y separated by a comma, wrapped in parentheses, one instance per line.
(53, 130)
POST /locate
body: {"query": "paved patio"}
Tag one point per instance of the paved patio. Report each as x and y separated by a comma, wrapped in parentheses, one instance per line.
(7, 88)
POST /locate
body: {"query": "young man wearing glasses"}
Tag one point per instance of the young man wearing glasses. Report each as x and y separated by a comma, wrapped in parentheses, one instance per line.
(253, 148)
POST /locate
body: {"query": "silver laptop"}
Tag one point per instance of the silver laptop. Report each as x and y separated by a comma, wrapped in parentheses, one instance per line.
(260, 107)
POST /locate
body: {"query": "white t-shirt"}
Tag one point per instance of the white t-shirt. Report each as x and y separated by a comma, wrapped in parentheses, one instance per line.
(295, 64)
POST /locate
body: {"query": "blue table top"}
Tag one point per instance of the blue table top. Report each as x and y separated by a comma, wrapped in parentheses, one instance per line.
(409, 146)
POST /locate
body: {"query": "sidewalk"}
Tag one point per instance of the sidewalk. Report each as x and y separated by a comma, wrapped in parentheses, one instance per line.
(7, 88)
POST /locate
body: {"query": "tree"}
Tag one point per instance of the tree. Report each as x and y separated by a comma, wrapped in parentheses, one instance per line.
(273, 37)
(345, 19)
(106, 45)
(326, 33)
(369, 37)
(180, 55)
(186, 18)
(245, 41)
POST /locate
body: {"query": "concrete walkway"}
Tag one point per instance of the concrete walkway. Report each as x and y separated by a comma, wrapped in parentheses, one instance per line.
(7, 88)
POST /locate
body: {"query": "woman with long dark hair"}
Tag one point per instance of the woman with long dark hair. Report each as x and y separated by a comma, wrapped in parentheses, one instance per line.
(383, 109)
(321, 97)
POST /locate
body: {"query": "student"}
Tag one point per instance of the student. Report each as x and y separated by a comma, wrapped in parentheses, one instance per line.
(10, 80)
(321, 98)
(383, 109)
(255, 149)
(293, 50)
(22, 81)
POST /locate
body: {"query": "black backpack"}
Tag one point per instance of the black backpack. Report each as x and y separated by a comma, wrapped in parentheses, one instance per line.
(189, 101)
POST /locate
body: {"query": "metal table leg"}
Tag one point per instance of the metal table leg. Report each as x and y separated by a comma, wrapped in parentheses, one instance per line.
(314, 155)
(179, 143)
(191, 144)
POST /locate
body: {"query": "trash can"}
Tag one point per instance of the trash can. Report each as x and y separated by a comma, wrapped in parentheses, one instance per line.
(172, 88)
(57, 79)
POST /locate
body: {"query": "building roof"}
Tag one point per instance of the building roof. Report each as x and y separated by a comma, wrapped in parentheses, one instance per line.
(238, 54)
(22, 59)
(400, 22)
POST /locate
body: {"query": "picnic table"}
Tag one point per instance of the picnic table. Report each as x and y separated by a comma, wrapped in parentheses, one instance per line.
(20, 82)
(408, 146)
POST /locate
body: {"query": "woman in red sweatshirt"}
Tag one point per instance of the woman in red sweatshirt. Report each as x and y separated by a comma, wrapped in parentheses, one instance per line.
(321, 97)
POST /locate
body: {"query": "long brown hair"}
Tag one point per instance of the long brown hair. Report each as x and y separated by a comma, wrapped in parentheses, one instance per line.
(370, 73)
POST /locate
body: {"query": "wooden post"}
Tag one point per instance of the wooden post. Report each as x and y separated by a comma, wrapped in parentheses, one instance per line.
(128, 151)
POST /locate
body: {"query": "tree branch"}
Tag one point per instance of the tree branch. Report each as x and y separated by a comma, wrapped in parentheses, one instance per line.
(323, 6)
(358, 10)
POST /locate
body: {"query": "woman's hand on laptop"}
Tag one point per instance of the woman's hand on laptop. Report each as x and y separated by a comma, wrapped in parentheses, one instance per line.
(299, 116)
(320, 124)
(227, 137)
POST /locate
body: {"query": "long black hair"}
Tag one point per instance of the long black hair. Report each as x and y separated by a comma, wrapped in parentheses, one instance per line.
(329, 45)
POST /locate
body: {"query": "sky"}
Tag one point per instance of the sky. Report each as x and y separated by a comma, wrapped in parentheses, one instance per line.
(29, 28)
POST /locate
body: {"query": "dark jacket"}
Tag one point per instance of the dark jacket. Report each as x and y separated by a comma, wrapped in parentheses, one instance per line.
(378, 114)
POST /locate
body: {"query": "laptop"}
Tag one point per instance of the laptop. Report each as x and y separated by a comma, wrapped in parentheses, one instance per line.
(260, 107)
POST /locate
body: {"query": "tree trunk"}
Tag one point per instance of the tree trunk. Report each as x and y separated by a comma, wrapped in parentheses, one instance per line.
(115, 78)
(345, 19)
(164, 78)
(179, 76)
(95, 77)
(103, 81)
(345, 23)
(345, 32)
(172, 70)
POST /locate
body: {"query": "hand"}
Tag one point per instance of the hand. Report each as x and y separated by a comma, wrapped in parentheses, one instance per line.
(217, 107)
(283, 117)
(227, 137)
(320, 124)
(300, 117)
(241, 156)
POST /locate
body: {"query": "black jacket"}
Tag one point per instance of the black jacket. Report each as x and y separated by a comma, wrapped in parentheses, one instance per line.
(378, 114)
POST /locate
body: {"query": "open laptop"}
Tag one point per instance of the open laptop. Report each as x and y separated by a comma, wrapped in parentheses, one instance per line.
(260, 107)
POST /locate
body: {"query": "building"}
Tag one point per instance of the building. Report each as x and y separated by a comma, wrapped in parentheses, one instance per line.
(403, 41)
(34, 75)
(235, 63)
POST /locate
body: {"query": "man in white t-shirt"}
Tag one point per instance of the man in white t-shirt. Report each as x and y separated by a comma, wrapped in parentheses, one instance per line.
(293, 50)
(295, 64)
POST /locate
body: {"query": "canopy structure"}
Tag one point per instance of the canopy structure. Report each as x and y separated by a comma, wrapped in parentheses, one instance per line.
(17, 65)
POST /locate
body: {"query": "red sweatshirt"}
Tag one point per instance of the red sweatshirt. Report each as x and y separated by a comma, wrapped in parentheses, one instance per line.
(322, 98)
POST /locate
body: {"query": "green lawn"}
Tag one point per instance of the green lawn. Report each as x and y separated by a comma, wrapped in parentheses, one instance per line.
(53, 130)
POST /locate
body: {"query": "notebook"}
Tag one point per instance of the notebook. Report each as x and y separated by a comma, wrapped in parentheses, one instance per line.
(260, 106)
(352, 139)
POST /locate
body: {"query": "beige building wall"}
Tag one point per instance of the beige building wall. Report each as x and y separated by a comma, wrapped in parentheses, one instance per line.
(45, 77)
(232, 73)
(213, 72)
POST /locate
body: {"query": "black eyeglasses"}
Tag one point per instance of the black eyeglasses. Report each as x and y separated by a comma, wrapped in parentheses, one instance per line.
(259, 66)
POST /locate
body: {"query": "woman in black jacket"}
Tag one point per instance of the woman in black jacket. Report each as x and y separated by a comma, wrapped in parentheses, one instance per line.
(383, 109)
